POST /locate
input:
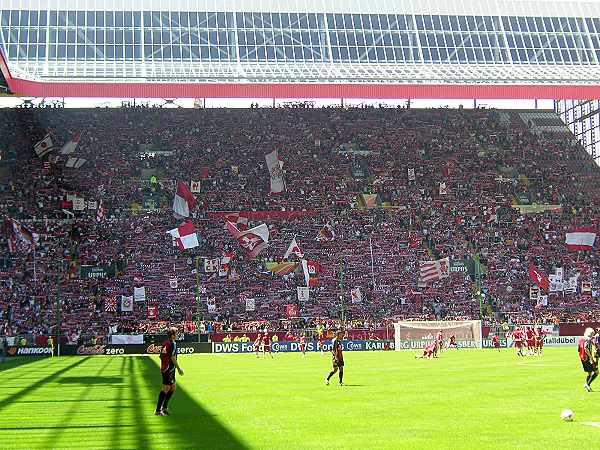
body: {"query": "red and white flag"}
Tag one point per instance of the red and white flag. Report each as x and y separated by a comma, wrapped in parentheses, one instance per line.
(225, 263)
(152, 312)
(581, 238)
(19, 237)
(326, 233)
(356, 295)
(185, 236)
(239, 219)
(43, 147)
(253, 241)
(100, 212)
(539, 278)
(311, 271)
(110, 304)
(184, 201)
(70, 146)
(274, 165)
(293, 249)
(434, 270)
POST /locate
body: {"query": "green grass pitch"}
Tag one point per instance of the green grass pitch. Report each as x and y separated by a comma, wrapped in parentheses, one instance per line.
(465, 399)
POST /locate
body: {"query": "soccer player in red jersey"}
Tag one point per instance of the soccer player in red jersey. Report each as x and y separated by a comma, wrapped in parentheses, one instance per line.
(302, 345)
(440, 340)
(168, 364)
(266, 344)
(429, 352)
(589, 357)
(337, 357)
(518, 338)
(530, 340)
(496, 341)
(538, 338)
(257, 344)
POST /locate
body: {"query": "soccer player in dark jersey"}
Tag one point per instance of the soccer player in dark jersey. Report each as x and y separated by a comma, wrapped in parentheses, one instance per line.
(337, 357)
(496, 341)
(588, 355)
(168, 365)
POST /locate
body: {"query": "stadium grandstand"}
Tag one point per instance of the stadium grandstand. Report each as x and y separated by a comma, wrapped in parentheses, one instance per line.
(328, 213)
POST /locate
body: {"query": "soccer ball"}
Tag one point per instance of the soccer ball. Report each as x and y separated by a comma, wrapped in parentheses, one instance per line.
(567, 415)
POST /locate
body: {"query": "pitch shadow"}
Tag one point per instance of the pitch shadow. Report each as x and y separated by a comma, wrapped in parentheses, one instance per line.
(190, 425)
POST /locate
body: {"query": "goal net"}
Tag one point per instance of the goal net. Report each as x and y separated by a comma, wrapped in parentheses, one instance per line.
(418, 334)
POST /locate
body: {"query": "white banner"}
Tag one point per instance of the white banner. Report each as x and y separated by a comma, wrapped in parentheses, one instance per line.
(303, 294)
(277, 181)
(250, 304)
(78, 204)
(139, 294)
(195, 187)
(126, 303)
(211, 265)
(411, 175)
(92, 205)
(173, 283)
(211, 303)
(127, 339)
(356, 295)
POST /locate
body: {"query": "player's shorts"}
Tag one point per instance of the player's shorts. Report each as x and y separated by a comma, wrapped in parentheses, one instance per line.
(168, 377)
(530, 343)
(496, 344)
(338, 363)
(589, 367)
(518, 344)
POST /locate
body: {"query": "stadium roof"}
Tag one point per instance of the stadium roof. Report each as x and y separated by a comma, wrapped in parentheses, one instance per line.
(302, 49)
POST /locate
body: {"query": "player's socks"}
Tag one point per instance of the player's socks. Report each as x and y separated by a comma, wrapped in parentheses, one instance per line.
(341, 378)
(329, 376)
(592, 378)
(166, 401)
(161, 399)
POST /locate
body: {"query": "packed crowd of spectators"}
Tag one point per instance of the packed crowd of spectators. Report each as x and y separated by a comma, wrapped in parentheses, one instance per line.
(330, 157)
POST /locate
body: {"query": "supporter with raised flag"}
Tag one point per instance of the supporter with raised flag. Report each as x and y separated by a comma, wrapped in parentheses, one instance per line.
(293, 249)
(168, 365)
(539, 278)
(184, 201)
(253, 241)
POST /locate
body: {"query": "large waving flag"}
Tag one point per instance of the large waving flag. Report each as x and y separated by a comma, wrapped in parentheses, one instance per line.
(185, 236)
(581, 238)
(70, 146)
(19, 237)
(239, 219)
(253, 241)
(326, 233)
(293, 249)
(434, 270)
(274, 165)
(311, 271)
(184, 201)
(45, 146)
(539, 278)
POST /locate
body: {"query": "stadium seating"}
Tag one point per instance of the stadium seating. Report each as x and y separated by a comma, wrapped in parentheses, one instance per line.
(487, 160)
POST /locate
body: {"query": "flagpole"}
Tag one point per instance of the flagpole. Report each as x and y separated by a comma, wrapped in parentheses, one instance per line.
(198, 309)
(343, 301)
(34, 265)
(372, 264)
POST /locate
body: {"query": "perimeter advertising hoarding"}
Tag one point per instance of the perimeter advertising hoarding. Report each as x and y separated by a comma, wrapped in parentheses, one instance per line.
(183, 348)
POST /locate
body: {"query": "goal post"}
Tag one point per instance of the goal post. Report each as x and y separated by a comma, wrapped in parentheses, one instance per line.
(410, 335)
